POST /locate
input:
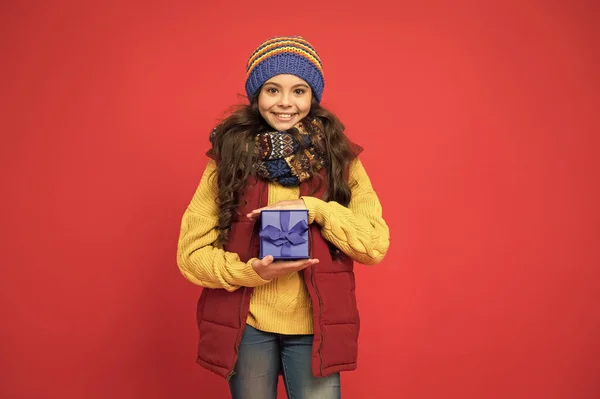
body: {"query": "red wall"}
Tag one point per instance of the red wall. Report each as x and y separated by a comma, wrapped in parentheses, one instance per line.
(480, 140)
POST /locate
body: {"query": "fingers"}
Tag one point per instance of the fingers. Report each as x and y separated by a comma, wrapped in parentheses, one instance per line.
(287, 264)
(306, 264)
(267, 260)
(291, 266)
(268, 269)
(256, 213)
(286, 204)
(253, 215)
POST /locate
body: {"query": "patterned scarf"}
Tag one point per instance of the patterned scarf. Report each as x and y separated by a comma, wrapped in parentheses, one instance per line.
(280, 158)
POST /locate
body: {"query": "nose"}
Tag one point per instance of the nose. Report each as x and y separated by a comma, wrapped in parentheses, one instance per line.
(284, 100)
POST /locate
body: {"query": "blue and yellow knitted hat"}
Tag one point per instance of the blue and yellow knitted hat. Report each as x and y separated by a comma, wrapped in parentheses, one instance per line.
(285, 54)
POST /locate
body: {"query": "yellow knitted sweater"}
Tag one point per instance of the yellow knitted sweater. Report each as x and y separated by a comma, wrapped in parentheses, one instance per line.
(281, 305)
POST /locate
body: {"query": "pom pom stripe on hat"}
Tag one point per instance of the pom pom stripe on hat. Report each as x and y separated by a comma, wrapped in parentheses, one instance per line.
(285, 54)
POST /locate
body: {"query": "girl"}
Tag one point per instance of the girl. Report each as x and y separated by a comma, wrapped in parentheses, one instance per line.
(258, 318)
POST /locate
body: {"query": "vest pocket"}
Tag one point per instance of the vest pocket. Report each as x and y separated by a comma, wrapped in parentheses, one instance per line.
(337, 297)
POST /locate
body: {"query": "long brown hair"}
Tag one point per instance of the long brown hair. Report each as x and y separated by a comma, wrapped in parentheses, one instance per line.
(233, 148)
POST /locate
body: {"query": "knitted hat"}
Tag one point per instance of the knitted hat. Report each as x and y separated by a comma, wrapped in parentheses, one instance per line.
(285, 54)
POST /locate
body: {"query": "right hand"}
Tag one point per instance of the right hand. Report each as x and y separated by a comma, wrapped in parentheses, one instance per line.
(267, 269)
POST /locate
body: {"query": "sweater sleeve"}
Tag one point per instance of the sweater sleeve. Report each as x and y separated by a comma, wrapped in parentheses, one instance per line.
(358, 230)
(198, 259)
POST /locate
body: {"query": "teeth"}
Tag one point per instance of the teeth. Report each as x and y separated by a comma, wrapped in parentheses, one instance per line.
(284, 115)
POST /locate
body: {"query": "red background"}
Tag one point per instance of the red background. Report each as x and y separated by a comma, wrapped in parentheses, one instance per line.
(477, 118)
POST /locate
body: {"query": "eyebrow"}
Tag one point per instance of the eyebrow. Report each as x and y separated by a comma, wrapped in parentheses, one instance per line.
(278, 85)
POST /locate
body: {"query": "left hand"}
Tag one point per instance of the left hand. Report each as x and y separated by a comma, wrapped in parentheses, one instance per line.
(281, 205)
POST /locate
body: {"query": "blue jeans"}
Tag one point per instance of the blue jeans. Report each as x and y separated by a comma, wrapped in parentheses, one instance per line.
(263, 355)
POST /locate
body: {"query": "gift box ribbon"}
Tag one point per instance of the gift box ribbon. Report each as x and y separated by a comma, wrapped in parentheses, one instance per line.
(285, 237)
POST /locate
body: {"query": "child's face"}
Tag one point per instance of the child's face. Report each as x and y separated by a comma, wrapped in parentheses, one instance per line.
(284, 100)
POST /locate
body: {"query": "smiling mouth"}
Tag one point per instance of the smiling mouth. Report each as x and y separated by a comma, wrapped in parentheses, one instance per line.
(284, 116)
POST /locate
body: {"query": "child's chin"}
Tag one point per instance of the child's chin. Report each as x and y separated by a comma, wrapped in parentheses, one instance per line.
(282, 126)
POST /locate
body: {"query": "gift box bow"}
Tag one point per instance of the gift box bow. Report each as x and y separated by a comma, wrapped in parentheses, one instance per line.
(285, 237)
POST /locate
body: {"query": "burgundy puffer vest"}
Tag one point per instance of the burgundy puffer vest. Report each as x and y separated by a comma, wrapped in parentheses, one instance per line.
(221, 315)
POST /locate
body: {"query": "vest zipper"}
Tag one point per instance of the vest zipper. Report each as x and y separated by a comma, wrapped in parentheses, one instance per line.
(312, 279)
(252, 237)
(238, 341)
(320, 313)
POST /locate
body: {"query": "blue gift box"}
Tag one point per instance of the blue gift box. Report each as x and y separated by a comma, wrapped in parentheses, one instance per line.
(284, 234)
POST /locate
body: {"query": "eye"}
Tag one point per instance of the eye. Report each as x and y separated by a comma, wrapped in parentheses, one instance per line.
(271, 90)
(299, 91)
